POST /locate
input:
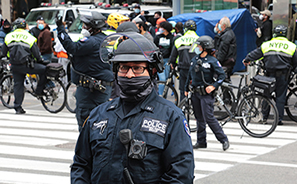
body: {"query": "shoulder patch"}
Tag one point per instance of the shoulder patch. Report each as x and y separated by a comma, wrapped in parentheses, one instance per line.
(219, 64)
(187, 129)
(83, 39)
(101, 124)
(155, 126)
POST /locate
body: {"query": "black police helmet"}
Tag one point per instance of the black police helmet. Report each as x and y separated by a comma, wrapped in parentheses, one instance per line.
(137, 48)
(190, 25)
(280, 30)
(127, 27)
(20, 23)
(206, 42)
(96, 21)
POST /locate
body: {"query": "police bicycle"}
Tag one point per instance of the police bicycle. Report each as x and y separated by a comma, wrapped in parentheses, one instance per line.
(53, 100)
(247, 109)
(291, 97)
(169, 91)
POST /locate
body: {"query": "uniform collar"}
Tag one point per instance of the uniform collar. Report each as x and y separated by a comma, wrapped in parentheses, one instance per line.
(148, 104)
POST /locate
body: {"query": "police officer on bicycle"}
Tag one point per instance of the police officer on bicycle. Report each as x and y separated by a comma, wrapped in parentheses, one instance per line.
(92, 77)
(201, 73)
(138, 137)
(21, 48)
(279, 59)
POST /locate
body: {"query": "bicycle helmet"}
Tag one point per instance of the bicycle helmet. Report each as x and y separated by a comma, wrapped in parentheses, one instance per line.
(115, 18)
(20, 23)
(133, 48)
(96, 21)
(190, 25)
(280, 30)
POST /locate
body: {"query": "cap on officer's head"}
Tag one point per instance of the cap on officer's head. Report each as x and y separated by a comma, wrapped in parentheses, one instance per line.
(39, 18)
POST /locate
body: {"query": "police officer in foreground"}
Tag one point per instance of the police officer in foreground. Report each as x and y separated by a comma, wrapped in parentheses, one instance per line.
(181, 49)
(20, 46)
(92, 77)
(201, 72)
(138, 137)
(280, 59)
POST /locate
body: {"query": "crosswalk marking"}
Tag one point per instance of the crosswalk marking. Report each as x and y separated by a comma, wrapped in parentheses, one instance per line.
(31, 147)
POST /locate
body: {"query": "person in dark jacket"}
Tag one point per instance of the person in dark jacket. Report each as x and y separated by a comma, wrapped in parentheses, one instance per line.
(265, 31)
(92, 76)
(5, 29)
(164, 41)
(226, 48)
(138, 137)
(45, 41)
(35, 31)
(180, 50)
(22, 50)
(201, 73)
(279, 57)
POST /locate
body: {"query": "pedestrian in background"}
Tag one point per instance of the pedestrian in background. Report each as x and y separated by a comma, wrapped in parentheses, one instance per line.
(180, 50)
(280, 58)
(139, 137)
(265, 31)
(45, 40)
(201, 73)
(4, 30)
(164, 41)
(35, 31)
(92, 77)
(226, 47)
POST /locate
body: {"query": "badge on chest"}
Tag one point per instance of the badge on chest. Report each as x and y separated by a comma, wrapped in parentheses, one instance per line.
(154, 126)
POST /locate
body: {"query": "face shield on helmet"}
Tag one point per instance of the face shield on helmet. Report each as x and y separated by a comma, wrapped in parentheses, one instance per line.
(130, 47)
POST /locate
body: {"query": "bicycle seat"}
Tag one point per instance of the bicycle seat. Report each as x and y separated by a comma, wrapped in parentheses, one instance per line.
(241, 73)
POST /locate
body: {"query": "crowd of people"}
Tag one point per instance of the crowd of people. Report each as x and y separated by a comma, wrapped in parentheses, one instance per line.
(128, 133)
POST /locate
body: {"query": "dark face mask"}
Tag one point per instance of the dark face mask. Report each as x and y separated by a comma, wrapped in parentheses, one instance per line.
(7, 30)
(135, 88)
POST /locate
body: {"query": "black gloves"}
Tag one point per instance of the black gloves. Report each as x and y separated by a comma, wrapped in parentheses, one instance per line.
(59, 21)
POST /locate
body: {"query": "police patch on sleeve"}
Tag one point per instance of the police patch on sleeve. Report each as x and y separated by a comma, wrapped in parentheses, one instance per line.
(219, 64)
(154, 126)
(100, 125)
(83, 39)
(187, 129)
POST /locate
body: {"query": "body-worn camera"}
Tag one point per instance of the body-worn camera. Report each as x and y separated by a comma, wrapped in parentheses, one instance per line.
(138, 149)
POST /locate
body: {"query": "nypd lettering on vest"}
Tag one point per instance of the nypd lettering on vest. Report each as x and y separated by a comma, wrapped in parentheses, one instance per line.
(154, 126)
(102, 125)
(278, 45)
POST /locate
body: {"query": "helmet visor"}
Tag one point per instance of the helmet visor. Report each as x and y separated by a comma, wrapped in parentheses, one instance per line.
(127, 47)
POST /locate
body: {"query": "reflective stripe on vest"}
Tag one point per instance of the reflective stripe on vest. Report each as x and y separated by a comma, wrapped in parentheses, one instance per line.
(280, 46)
(108, 32)
(186, 40)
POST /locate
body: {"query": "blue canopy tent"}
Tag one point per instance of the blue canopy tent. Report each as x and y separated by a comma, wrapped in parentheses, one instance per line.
(241, 22)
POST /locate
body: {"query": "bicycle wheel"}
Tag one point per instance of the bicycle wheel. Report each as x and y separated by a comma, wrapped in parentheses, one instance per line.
(55, 96)
(71, 101)
(291, 104)
(187, 108)
(6, 91)
(228, 97)
(169, 92)
(252, 108)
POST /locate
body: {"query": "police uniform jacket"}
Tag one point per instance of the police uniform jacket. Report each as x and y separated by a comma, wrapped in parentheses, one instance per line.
(100, 157)
(209, 66)
(19, 45)
(86, 58)
(181, 49)
(278, 53)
